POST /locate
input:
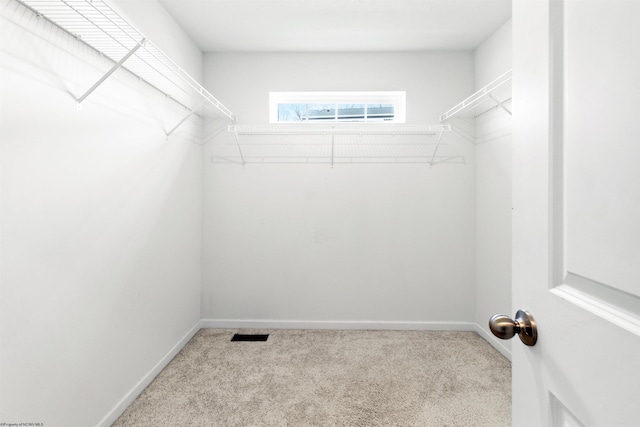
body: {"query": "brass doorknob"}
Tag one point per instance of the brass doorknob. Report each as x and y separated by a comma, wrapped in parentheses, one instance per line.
(524, 325)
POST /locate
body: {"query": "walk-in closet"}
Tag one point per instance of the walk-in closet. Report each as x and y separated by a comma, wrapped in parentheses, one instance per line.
(348, 189)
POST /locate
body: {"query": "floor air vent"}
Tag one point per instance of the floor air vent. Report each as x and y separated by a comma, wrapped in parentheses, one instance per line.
(252, 337)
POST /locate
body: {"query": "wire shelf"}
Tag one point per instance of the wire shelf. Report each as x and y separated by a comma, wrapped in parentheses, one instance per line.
(337, 143)
(96, 24)
(338, 129)
(498, 92)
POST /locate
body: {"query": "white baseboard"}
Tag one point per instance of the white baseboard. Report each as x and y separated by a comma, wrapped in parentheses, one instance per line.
(128, 399)
(330, 324)
(495, 342)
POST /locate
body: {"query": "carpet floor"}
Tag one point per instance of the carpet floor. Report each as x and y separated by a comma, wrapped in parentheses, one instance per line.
(329, 378)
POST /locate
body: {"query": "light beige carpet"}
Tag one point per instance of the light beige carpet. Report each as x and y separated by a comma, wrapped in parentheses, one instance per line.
(329, 378)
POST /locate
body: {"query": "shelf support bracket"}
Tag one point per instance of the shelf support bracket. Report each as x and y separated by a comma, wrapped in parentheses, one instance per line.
(111, 71)
(463, 134)
(500, 104)
(217, 131)
(235, 132)
(333, 137)
(192, 112)
(435, 150)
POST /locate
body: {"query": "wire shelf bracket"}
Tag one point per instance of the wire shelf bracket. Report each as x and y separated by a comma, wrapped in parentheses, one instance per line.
(191, 113)
(111, 71)
(96, 24)
(235, 133)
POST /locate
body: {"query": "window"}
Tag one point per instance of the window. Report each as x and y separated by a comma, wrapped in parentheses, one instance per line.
(323, 107)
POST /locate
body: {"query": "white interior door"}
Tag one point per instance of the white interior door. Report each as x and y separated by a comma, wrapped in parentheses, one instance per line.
(576, 218)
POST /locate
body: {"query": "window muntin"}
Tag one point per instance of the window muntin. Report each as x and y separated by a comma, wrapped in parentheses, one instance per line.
(342, 107)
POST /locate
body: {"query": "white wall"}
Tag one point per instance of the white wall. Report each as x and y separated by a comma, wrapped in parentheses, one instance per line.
(101, 239)
(387, 245)
(100, 229)
(493, 191)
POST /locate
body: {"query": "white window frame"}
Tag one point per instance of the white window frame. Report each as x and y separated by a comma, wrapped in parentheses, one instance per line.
(397, 98)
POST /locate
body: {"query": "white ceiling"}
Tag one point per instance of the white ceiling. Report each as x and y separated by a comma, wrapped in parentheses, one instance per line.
(338, 25)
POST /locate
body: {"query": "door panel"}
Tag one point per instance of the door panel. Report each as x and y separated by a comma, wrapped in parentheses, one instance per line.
(576, 259)
(595, 151)
(602, 143)
(562, 417)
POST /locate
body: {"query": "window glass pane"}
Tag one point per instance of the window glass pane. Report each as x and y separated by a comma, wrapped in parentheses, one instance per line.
(380, 112)
(322, 111)
(292, 112)
(347, 108)
(331, 112)
(351, 112)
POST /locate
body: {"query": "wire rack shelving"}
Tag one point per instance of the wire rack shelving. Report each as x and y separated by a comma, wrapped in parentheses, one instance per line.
(99, 26)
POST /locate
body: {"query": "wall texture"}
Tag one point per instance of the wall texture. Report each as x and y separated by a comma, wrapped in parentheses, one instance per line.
(493, 191)
(375, 245)
(100, 226)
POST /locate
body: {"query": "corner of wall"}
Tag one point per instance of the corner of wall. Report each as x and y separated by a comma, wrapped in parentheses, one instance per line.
(139, 387)
(493, 341)
(493, 194)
